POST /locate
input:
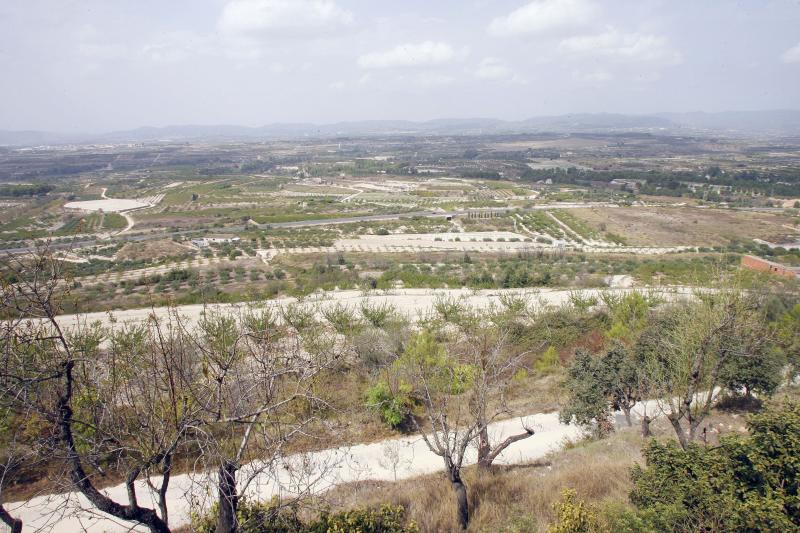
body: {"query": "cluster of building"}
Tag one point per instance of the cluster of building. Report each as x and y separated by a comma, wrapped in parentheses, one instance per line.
(203, 242)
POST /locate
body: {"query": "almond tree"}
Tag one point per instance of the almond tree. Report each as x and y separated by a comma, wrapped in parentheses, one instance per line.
(259, 396)
(128, 399)
(702, 337)
(459, 391)
(51, 373)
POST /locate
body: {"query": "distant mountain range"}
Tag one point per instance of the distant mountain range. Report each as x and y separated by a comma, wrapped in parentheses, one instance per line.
(731, 123)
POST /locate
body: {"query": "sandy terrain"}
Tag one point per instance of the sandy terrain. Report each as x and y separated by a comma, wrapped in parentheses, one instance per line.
(477, 242)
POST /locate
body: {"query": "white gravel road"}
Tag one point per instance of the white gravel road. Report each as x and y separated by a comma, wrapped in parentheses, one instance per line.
(415, 303)
(68, 512)
(318, 472)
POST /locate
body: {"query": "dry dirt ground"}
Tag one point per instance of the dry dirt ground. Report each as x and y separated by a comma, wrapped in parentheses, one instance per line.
(153, 250)
(685, 226)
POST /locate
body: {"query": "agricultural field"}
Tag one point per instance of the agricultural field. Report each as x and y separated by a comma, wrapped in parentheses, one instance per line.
(687, 226)
(372, 256)
(564, 211)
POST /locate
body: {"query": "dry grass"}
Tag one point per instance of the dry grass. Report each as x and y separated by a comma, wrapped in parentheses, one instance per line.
(684, 226)
(153, 250)
(520, 497)
(511, 498)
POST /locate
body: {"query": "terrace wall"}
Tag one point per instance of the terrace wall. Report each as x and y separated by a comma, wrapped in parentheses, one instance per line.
(762, 265)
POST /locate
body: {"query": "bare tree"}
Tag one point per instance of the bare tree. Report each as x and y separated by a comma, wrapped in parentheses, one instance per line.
(51, 371)
(259, 394)
(495, 365)
(461, 394)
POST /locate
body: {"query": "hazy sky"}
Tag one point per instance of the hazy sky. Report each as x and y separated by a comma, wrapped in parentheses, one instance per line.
(91, 65)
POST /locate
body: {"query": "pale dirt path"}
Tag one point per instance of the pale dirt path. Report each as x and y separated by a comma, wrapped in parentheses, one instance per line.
(67, 512)
(130, 221)
(415, 303)
(315, 472)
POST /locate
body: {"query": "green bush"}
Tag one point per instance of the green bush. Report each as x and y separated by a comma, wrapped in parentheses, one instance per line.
(548, 362)
(253, 517)
(574, 516)
(747, 483)
(387, 519)
(394, 406)
(272, 518)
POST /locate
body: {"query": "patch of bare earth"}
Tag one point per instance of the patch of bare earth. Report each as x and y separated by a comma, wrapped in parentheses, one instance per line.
(153, 250)
(683, 226)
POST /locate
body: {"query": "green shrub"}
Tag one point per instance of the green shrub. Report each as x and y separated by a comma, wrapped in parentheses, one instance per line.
(747, 483)
(342, 318)
(378, 315)
(272, 518)
(548, 362)
(253, 517)
(387, 519)
(574, 516)
(394, 406)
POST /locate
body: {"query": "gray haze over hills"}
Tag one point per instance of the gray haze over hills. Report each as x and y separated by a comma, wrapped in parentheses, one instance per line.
(734, 123)
(96, 66)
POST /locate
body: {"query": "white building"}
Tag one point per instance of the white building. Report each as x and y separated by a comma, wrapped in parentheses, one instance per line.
(215, 239)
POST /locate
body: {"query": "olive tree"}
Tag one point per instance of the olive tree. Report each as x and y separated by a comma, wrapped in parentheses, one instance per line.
(587, 385)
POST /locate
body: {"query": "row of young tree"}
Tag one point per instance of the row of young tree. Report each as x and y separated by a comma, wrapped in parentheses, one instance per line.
(234, 393)
(91, 405)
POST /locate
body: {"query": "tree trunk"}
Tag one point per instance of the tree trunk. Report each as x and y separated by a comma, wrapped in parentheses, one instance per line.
(646, 426)
(693, 430)
(166, 472)
(461, 502)
(679, 431)
(82, 481)
(228, 498)
(15, 524)
(627, 412)
(484, 450)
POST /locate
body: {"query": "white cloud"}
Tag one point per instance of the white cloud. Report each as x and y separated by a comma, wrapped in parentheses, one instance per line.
(491, 68)
(543, 16)
(282, 16)
(792, 55)
(592, 76)
(432, 79)
(177, 46)
(612, 44)
(427, 53)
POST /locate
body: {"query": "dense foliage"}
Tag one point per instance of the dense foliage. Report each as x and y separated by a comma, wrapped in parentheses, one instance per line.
(271, 518)
(747, 483)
